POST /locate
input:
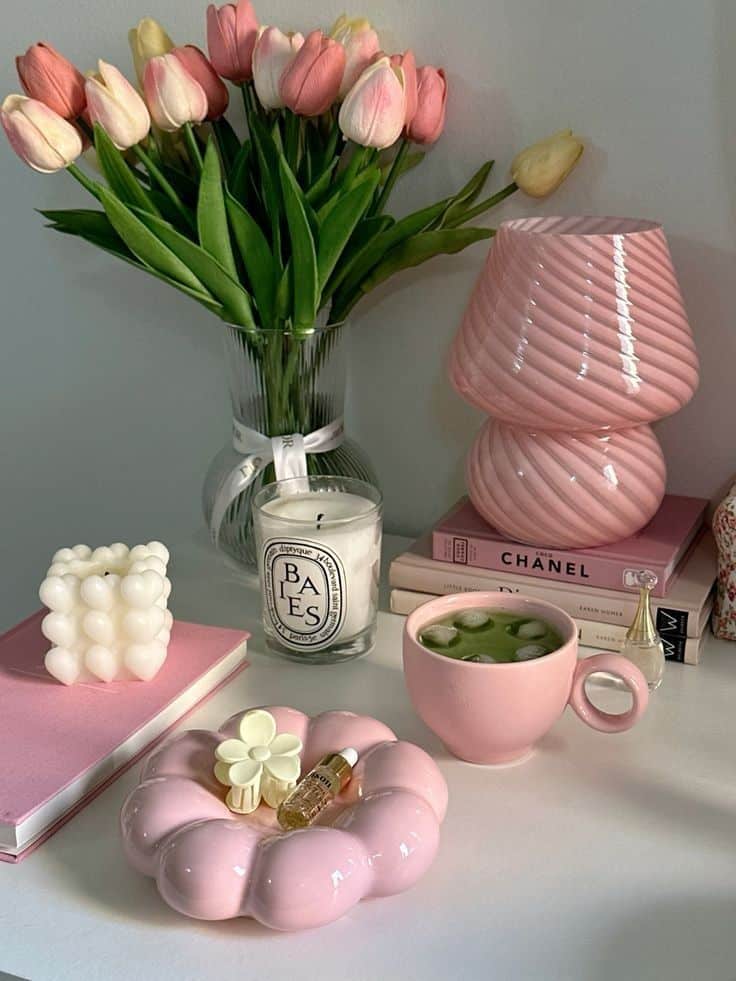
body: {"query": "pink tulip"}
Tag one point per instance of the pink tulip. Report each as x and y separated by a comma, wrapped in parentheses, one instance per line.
(117, 107)
(41, 137)
(50, 78)
(361, 46)
(374, 112)
(312, 81)
(408, 63)
(272, 55)
(201, 70)
(231, 37)
(174, 98)
(429, 119)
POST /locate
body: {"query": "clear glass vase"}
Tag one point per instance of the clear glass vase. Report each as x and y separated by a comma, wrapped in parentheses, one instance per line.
(281, 382)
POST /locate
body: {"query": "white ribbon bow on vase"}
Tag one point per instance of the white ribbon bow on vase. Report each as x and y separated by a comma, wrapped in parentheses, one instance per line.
(287, 453)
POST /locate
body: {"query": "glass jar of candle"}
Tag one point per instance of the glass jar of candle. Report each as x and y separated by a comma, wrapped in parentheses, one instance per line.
(281, 382)
(318, 541)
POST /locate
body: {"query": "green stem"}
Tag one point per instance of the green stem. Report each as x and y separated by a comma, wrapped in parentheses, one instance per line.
(354, 165)
(250, 101)
(246, 103)
(486, 205)
(86, 182)
(292, 140)
(288, 376)
(193, 146)
(165, 186)
(391, 179)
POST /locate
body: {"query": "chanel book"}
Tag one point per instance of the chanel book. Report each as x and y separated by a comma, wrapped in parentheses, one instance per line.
(62, 745)
(682, 613)
(464, 538)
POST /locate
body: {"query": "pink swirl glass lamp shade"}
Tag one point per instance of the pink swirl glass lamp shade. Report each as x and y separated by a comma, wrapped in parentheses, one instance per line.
(377, 839)
(576, 326)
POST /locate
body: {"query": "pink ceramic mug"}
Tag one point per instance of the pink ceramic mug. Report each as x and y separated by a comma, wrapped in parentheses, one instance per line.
(495, 713)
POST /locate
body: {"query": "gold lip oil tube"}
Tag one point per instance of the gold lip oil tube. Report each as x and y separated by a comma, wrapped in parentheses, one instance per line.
(317, 789)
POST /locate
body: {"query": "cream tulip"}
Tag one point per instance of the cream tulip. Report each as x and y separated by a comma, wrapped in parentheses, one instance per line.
(147, 40)
(272, 55)
(116, 106)
(361, 46)
(174, 97)
(541, 168)
(374, 111)
(39, 136)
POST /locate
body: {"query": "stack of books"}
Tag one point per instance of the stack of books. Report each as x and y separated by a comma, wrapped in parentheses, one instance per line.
(596, 586)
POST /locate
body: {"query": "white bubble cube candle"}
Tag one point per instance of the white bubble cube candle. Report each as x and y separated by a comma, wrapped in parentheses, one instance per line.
(108, 618)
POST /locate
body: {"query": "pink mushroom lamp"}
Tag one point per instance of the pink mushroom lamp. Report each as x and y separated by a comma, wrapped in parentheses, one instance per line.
(575, 339)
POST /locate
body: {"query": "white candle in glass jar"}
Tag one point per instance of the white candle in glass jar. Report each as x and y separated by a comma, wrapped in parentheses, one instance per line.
(319, 561)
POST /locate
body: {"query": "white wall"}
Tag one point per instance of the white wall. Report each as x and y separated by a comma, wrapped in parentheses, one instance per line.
(112, 393)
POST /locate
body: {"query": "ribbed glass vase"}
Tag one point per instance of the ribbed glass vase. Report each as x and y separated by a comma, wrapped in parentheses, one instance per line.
(281, 382)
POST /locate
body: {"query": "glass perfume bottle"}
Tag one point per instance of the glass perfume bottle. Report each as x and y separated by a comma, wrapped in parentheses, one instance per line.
(317, 789)
(643, 645)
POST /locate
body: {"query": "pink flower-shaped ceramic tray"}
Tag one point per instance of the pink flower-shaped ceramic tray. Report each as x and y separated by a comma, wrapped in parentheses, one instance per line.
(378, 838)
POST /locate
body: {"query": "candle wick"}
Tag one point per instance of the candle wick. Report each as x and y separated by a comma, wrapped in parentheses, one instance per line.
(319, 518)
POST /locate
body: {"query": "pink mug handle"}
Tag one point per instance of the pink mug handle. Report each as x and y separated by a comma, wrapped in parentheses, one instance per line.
(631, 676)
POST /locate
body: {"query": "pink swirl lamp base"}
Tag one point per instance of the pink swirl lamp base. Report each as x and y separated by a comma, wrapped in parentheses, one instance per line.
(566, 490)
(378, 838)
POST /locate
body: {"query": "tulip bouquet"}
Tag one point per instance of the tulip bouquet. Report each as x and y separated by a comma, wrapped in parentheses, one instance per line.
(269, 230)
(282, 226)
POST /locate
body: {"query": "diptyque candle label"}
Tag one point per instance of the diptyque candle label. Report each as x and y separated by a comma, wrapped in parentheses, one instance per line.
(305, 592)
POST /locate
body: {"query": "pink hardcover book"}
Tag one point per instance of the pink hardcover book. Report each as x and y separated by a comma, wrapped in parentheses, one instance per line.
(464, 538)
(60, 746)
(683, 612)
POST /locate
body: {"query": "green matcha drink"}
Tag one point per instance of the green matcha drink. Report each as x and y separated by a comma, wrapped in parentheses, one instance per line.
(490, 636)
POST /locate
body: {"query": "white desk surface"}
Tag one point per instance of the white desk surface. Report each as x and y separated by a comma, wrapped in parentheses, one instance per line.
(604, 858)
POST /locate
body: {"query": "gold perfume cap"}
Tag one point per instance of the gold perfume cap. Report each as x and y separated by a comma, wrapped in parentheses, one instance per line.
(341, 764)
(642, 629)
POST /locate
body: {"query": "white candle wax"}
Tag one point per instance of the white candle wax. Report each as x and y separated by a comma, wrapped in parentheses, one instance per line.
(319, 566)
(108, 618)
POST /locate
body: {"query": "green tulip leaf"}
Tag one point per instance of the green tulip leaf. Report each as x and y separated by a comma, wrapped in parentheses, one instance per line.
(285, 293)
(144, 244)
(214, 236)
(119, 175)
(205, 299)
(355, 271)
(184, 184)
(87, 224)
(338, 226)
(413, 252)
(366, 230)
(466, 195)
(101, 241)
(410, 161)
(321, 185)
(171, 213)
(227, 140)
(371, 175)
(240, 173)
(318, 154)
(95, 228)
(256, 255)
(422, 247)
(209, 273)
(303, 250)
(267, 156)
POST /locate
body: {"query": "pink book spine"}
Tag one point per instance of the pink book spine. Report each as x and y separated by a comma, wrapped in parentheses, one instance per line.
(542, 563)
